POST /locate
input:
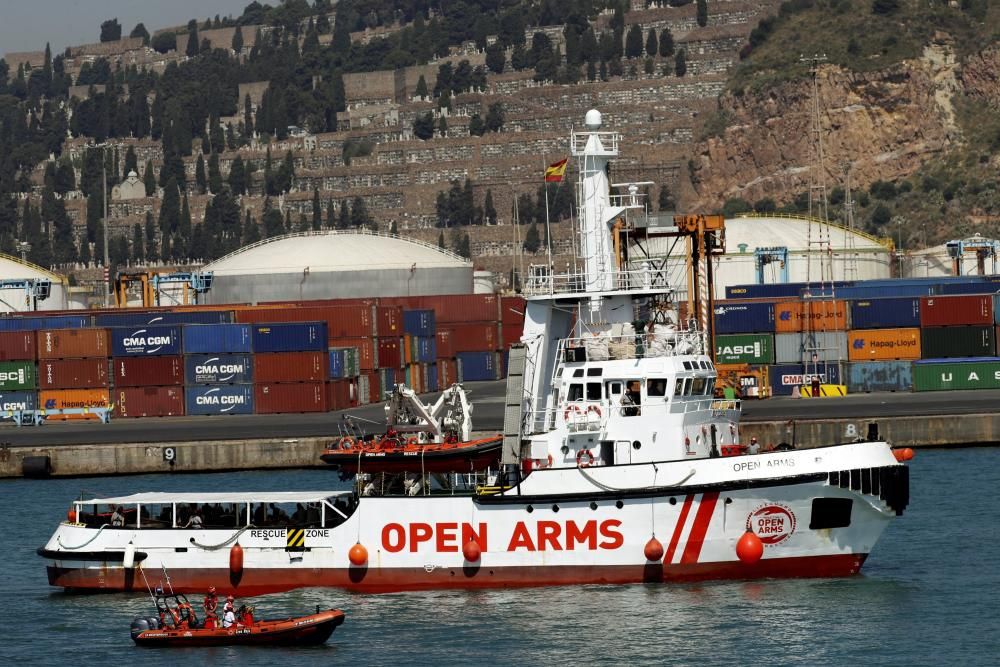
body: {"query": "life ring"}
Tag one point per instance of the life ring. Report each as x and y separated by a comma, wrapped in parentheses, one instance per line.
(347, 442)
(596, 409)
(570, 409)
(584, 454)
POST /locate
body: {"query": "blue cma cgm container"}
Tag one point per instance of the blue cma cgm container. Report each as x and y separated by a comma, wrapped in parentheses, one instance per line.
(419, 322)
(753, 317)
(53, 322)
(145, 341)
(474, 366)
(786, 377)
(290, 337)
(218, 369)
(18, 400)
(226, 399)
(885, 313)
(163, 318)
(217, 338)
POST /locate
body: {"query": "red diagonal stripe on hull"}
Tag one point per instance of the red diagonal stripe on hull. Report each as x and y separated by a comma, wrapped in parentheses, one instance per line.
(701, 520)
(678, 529)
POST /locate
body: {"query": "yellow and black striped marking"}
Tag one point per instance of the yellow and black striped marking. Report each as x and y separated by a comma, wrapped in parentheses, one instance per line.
(295, 540)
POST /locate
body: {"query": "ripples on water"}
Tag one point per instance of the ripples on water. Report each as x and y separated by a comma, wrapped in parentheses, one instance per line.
(928, 596)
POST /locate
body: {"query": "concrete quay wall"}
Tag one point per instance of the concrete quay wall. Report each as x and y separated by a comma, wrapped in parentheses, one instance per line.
(262, 454)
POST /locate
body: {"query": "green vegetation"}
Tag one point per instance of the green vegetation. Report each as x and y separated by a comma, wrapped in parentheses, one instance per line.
(869, 35)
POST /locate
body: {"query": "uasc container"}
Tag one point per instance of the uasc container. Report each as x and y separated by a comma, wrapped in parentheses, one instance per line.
(18, 375)
(227, 399)
(218, 369)
(17, 346)
(878, 344)
(146, 341)
(217, 338)
(956, 374)
(147, 371)
(148, 402)
(744, 349)
(72, 343)
(73, 373)
(291, 367)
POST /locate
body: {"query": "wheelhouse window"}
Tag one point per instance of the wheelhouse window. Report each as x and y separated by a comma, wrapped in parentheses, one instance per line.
(575, 392)
(698, 386)
(593, 391)
(679, 387)
(656, 387)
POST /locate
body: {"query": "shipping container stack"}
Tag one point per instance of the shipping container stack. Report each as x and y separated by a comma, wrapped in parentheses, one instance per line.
(218, 369)
(291, 362)
(73, 369)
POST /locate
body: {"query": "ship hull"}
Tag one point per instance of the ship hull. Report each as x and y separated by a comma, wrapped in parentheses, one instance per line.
(817, 513)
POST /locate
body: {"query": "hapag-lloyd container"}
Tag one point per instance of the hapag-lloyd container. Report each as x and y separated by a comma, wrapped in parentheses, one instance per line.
(943, 311)
(73, 373)
(218, 369)
(293, 337)
(743, 317)
(868, 376)
(785, 378)
(12, 401)
(883, 344)
(62, 399)
(270, 398)
(217, 338)
(291, 367)
(974, 373)
(73, 343)
(791, 348)
(163, 318)
(957, 341)
(17, 346)
(744, 349)
(18, 375)
(810, 315)
(226, 399)
(147, 371)
(885, 313)
(148, 401)
(145, 341)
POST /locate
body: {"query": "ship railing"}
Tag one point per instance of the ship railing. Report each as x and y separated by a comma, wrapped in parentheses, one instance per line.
(606, 347)
(541, 282)
(609, 141)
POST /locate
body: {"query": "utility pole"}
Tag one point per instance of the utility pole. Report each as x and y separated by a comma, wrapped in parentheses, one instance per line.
(104, 194)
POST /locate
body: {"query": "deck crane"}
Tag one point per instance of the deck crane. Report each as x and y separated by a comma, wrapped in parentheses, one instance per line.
(34, 289)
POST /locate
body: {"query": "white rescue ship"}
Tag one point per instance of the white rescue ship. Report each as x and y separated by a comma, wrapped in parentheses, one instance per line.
(618, 464)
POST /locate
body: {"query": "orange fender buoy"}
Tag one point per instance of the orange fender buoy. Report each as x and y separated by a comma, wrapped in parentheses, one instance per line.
(653, 549)
(235, 564)
(749, 549)
(358, 555)
(71, 515)
(904, 454)
(472, 551)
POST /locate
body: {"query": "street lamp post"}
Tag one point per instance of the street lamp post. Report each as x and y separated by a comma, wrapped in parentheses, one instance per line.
(104, 194)
(899, 242)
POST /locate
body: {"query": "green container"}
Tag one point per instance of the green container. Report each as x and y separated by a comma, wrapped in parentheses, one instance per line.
(744, 349)
(18, 375)
(956, 375)
(353, 362)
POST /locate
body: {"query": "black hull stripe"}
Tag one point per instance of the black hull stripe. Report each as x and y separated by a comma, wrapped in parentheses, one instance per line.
(108, 556)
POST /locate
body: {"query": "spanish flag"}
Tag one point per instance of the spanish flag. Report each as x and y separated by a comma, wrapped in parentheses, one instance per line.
(554, 172)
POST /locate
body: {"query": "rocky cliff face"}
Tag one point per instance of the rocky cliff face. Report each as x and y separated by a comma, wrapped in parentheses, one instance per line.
(883, 124)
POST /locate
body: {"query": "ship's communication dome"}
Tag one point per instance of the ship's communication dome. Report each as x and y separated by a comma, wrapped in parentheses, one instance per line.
(593, 120)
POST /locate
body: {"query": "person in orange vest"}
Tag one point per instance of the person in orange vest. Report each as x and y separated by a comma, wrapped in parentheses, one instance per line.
(211, 604)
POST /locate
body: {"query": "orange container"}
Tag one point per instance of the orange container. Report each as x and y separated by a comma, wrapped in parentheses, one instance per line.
(73, 343)
(60, 399)
(824, 315)
(879, 344)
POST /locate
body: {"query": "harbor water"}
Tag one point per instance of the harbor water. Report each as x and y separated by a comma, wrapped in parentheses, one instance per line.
(928, 595)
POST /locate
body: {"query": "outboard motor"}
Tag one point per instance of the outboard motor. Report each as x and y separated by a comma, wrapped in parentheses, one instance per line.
(139, 625)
